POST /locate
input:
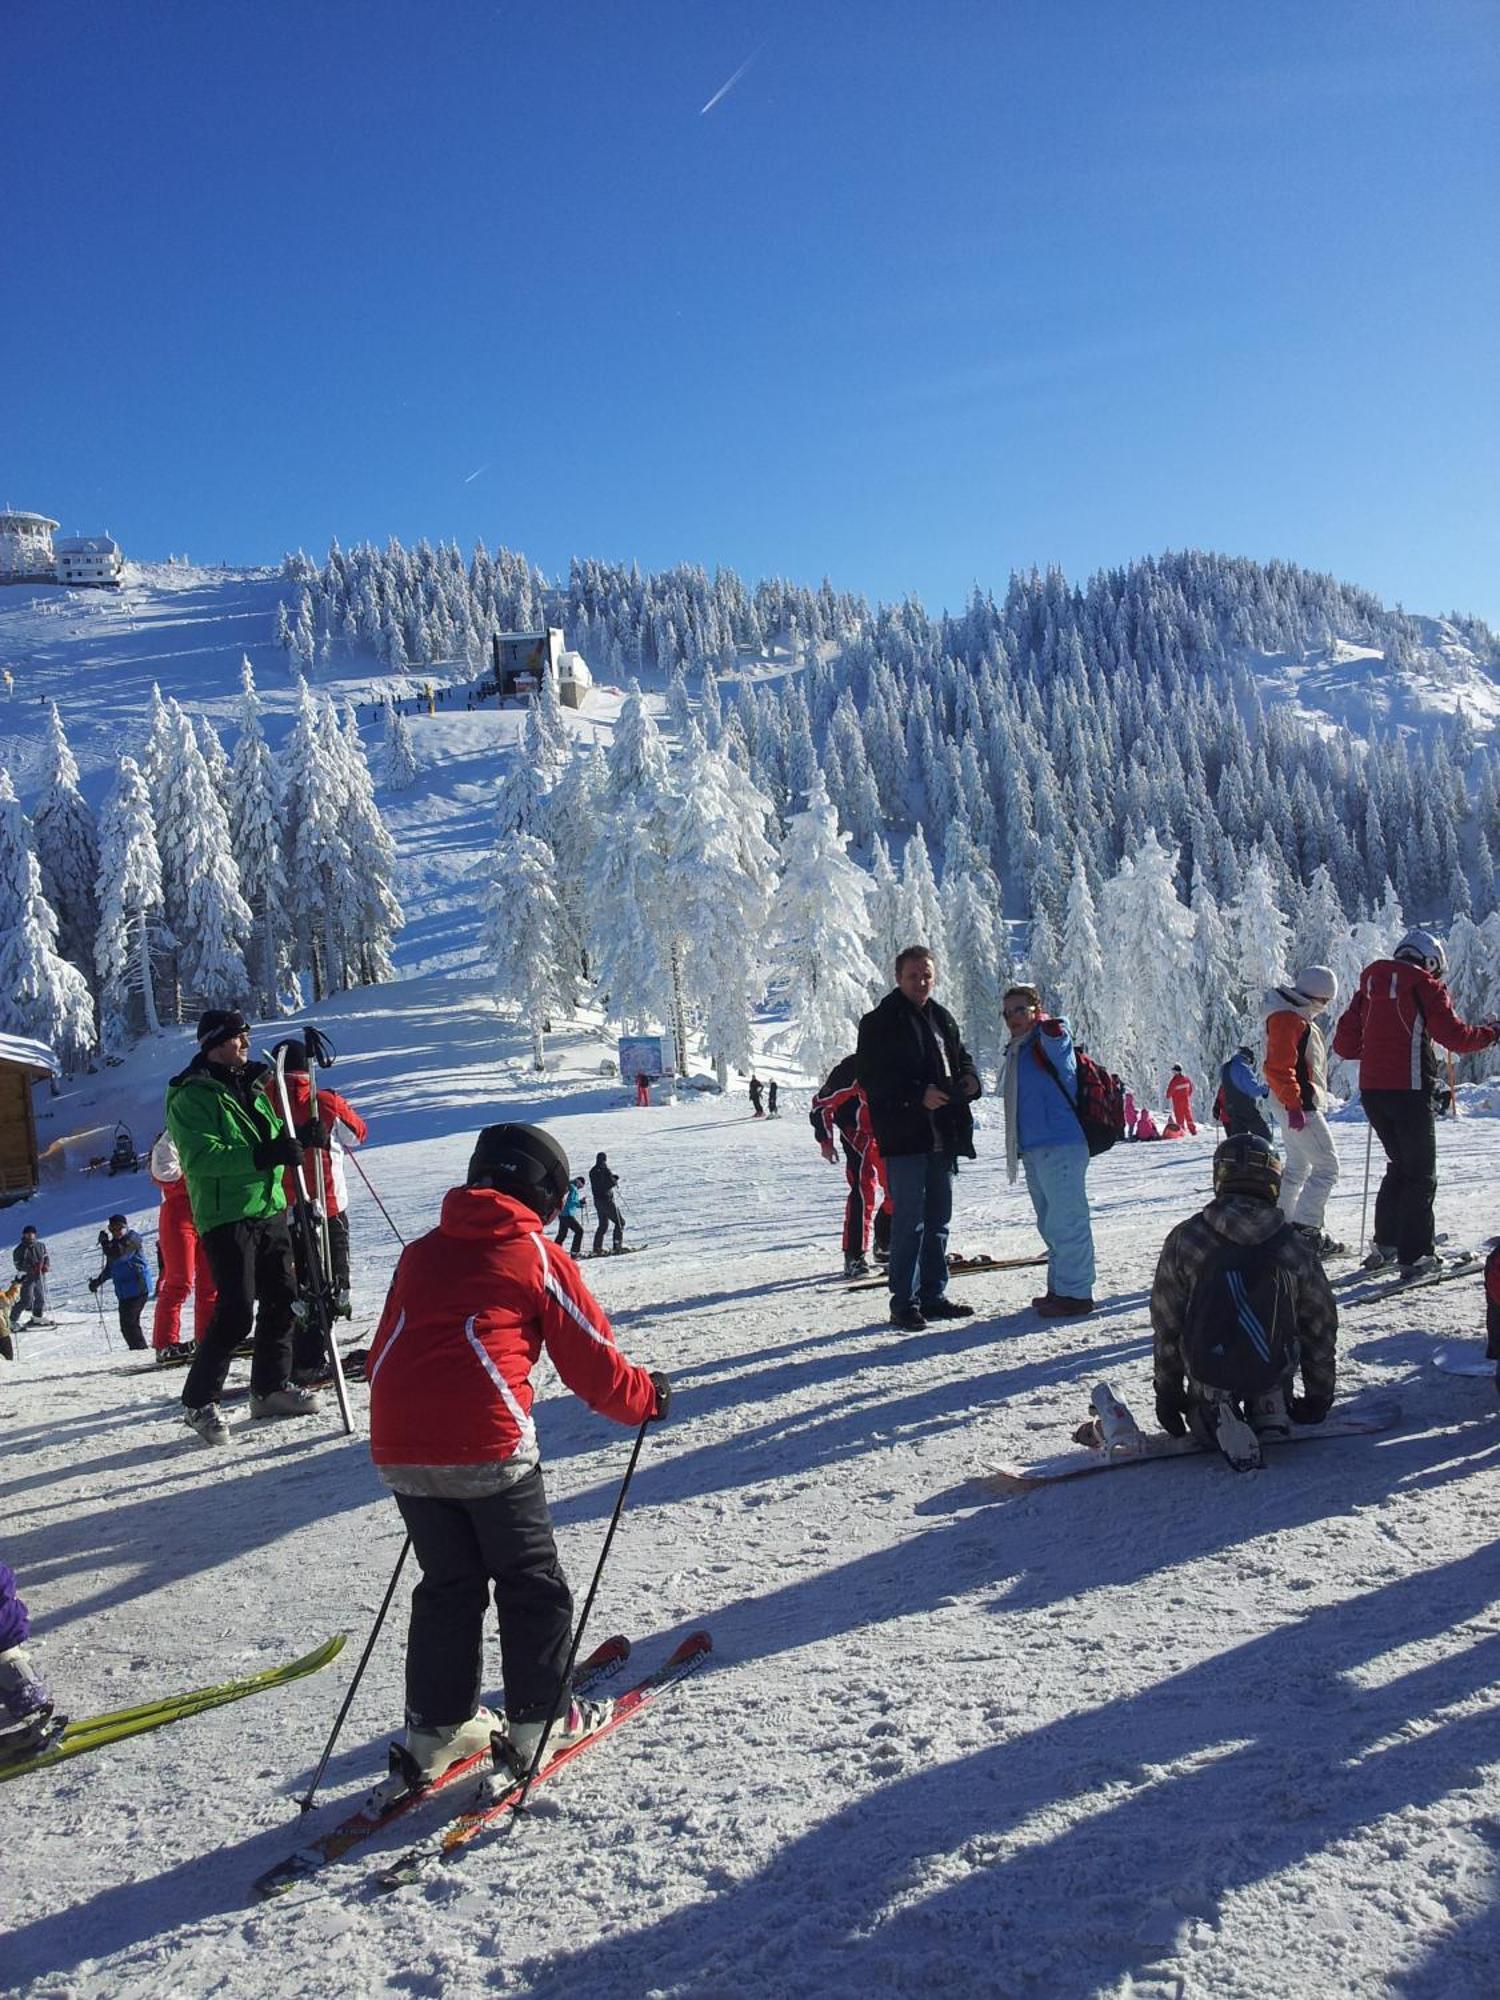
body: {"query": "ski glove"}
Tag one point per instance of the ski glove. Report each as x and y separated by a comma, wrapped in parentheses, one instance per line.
(95, 1283)
(1171, 1409)
(314, 1134)
(663, 1390)
(282, 1151)
(1308, 1409)
(1296, 1119)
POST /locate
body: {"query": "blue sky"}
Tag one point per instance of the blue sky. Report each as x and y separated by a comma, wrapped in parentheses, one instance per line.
(929, 294)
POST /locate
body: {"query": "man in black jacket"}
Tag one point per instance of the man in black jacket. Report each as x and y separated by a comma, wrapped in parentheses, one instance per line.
(919, 1080)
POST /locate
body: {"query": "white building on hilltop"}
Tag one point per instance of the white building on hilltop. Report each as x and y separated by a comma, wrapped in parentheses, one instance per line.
(26, 548)
(89, 559)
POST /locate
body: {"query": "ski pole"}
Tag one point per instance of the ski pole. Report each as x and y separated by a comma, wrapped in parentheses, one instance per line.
(353, 1159)
(305, 1805)
(103, 1323)
(1365, 1201)
(583, 1619)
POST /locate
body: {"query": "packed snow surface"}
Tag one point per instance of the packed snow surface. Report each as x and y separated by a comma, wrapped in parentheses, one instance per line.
(1169, 1731)
(1172, 1730)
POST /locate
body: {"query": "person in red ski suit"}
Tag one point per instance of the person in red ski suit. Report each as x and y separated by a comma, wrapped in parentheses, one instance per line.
(841, 1108)
(471, 1306)
(642, 1088)
(333, 1112)
(1180, 1097)
(1398, 1010)
(184, 1268)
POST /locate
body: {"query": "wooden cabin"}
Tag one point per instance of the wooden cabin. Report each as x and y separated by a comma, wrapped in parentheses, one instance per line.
(23, 1065)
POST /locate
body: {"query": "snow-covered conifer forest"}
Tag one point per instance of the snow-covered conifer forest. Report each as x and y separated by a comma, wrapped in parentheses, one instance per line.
(1197, 767)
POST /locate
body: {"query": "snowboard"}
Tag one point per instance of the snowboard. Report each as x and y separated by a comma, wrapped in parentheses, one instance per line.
(1120, 1444)
(960, 1267)
(626, 1250)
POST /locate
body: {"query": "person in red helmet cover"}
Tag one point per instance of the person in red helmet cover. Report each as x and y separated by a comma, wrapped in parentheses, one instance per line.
(842, 1110)
(1296, 1068)
(1398, 1010)
(185, 1270)
(334, 1114)
(471, 1306)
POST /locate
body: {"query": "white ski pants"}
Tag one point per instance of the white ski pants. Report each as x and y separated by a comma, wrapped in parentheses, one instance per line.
(1311, 1170)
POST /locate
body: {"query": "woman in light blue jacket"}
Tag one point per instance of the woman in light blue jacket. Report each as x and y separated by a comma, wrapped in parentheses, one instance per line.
(1043, 1136)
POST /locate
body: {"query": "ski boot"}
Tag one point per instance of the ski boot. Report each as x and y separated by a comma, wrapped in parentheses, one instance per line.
(856, 1267)
(27, 1724)
(427, 1753)
(208, 1423)
(287, 1401)
(1235, 1438)
(1379, 1258)
(579, 1719)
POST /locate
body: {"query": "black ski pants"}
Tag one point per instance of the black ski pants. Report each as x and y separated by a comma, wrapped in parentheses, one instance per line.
(1404, 1124)
(252, 1266)
(609, 1218)
(465, 1547)
(130, 1321)
(567, 1224)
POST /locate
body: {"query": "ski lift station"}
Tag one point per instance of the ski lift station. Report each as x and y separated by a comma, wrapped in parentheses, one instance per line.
(28, 554)
(521, 658)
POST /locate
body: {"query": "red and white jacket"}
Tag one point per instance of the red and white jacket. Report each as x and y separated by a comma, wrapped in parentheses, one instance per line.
(471, 1306)
(333, 1111)
(1398, 1011)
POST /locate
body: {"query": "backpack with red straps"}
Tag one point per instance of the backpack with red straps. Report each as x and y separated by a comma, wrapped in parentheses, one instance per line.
(1100, 1105)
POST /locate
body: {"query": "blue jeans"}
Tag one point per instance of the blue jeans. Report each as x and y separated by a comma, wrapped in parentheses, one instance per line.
(1054, 1179)
(921, 1189)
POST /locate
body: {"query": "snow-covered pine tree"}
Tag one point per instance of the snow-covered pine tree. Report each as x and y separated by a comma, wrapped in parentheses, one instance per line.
(921, 906)
(217, 919)
(67, 849)
(818, 941)
(400, 757)
(42, 996)
(572, 822)
(1146, 933)
(257, 837)
(1264, 939)
(1222, 1024)
(132, 934)
(1083, 989)
(632, 923)
(888, 933)
(375, 912)
(721, 878)
(976, 971)
(523, 935)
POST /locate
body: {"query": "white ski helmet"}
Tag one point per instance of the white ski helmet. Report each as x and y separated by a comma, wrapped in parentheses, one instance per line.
(1316, 986)
(1422, 948)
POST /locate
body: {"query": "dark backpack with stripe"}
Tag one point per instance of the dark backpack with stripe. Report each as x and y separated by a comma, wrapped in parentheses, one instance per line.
(1240, 1332)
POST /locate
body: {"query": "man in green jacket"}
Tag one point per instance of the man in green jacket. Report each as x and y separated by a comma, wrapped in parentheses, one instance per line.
(233, 1147)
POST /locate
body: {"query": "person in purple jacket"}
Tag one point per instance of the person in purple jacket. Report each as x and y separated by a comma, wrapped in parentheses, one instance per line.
(25, 1703)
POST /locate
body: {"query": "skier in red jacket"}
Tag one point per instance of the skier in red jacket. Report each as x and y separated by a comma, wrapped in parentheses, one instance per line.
(333, 1112)
(471, 1306)
(1399, 1009)
(841, 1108)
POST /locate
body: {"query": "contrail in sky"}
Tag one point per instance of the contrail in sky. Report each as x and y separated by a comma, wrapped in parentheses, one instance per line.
(724, 88)
(474, 475)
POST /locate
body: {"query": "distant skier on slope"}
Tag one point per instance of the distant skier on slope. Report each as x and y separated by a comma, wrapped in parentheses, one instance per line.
(602, 1185)
(841, 1108)
(126, 1270)
(757, 1108)
(1398, 1010)
(471, 1306)
(1180, 1098)
(1239, 1304)
(1297, 1072)
(568, 1222)
(32, 1263)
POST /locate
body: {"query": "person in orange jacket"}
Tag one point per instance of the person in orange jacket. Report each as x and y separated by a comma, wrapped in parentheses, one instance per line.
(1296, 1068)
(184, 1268)
(1180, 1097)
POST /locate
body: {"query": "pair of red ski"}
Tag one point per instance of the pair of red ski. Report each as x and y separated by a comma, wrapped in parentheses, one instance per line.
(491, 1806)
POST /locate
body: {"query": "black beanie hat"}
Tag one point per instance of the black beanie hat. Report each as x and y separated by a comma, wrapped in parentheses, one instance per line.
(217, 1024)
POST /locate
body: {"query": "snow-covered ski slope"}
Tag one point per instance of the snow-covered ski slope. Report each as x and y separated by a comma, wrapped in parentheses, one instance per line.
(1187, 1734)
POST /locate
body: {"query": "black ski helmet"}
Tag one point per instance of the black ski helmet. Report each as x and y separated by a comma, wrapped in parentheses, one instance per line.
(1248, 1164)
(524, 1161)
